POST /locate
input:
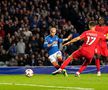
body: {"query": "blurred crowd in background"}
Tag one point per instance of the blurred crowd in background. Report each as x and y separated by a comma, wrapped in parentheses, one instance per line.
(25, 23)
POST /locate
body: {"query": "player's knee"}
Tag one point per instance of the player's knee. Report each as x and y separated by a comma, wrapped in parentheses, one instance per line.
(60, 59)
(54, 63)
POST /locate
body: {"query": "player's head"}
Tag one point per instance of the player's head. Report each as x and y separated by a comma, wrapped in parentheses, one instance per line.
(92, 24)
(101, 21)
(52, 31)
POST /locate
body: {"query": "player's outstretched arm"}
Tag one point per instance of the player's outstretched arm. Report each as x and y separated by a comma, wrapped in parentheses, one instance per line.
(73, 40)
(65, 39)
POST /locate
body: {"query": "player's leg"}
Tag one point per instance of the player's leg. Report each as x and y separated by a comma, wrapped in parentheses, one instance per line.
(54, 62)
(97, 62)
(67, 61)
(97, 59)
(82, 68)
(57, 66)
(88, 59)
(60, 61)
(59, 57)
(64, 64)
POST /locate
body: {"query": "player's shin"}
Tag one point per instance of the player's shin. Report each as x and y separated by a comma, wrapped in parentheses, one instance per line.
(55, 64)
(82, 68)
(97, 62)
(66, 62)
(60, 61)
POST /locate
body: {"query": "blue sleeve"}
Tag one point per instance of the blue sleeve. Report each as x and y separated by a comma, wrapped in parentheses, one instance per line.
(45, 43)
(60, 40)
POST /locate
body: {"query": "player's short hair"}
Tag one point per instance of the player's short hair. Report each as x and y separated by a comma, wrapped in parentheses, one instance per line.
(51, 27)
(92, 23)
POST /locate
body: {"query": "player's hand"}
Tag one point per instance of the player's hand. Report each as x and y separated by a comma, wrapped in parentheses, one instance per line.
(55, 42)
(66, 44)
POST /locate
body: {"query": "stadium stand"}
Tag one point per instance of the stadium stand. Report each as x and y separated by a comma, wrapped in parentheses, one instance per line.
(25, 23)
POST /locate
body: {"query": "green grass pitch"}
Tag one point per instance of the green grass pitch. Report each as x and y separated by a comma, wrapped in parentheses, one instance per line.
(57, 82)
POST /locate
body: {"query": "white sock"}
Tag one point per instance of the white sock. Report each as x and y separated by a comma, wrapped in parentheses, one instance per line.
(60, 69)
(77, 73)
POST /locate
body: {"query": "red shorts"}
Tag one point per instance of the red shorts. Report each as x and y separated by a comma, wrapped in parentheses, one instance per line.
(81, 53)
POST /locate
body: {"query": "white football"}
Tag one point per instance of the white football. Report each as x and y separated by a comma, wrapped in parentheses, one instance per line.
(29, 72)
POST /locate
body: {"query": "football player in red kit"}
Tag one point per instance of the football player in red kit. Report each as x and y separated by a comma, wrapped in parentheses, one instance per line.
(101, 49)
(91, 39)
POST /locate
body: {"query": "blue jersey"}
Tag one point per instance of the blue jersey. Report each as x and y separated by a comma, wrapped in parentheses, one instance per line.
(49, 40)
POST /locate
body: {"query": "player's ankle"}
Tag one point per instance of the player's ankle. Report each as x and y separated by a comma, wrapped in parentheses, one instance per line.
(60, 69)
(98, 71)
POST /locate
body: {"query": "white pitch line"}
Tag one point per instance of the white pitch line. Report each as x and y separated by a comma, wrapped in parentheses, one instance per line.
(36, 85)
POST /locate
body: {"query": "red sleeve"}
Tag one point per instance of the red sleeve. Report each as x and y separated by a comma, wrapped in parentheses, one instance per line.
(83, 35)
(106, 29)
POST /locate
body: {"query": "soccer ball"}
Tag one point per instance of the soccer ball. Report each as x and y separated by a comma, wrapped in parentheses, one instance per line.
(29, 72)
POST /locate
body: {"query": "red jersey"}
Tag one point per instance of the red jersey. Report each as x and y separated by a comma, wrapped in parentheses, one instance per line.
(102, 29)
(102, 46)
(91, 39)
(98, 28)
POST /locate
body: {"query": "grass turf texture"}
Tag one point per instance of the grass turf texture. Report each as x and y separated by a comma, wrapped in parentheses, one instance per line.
(57, 82)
